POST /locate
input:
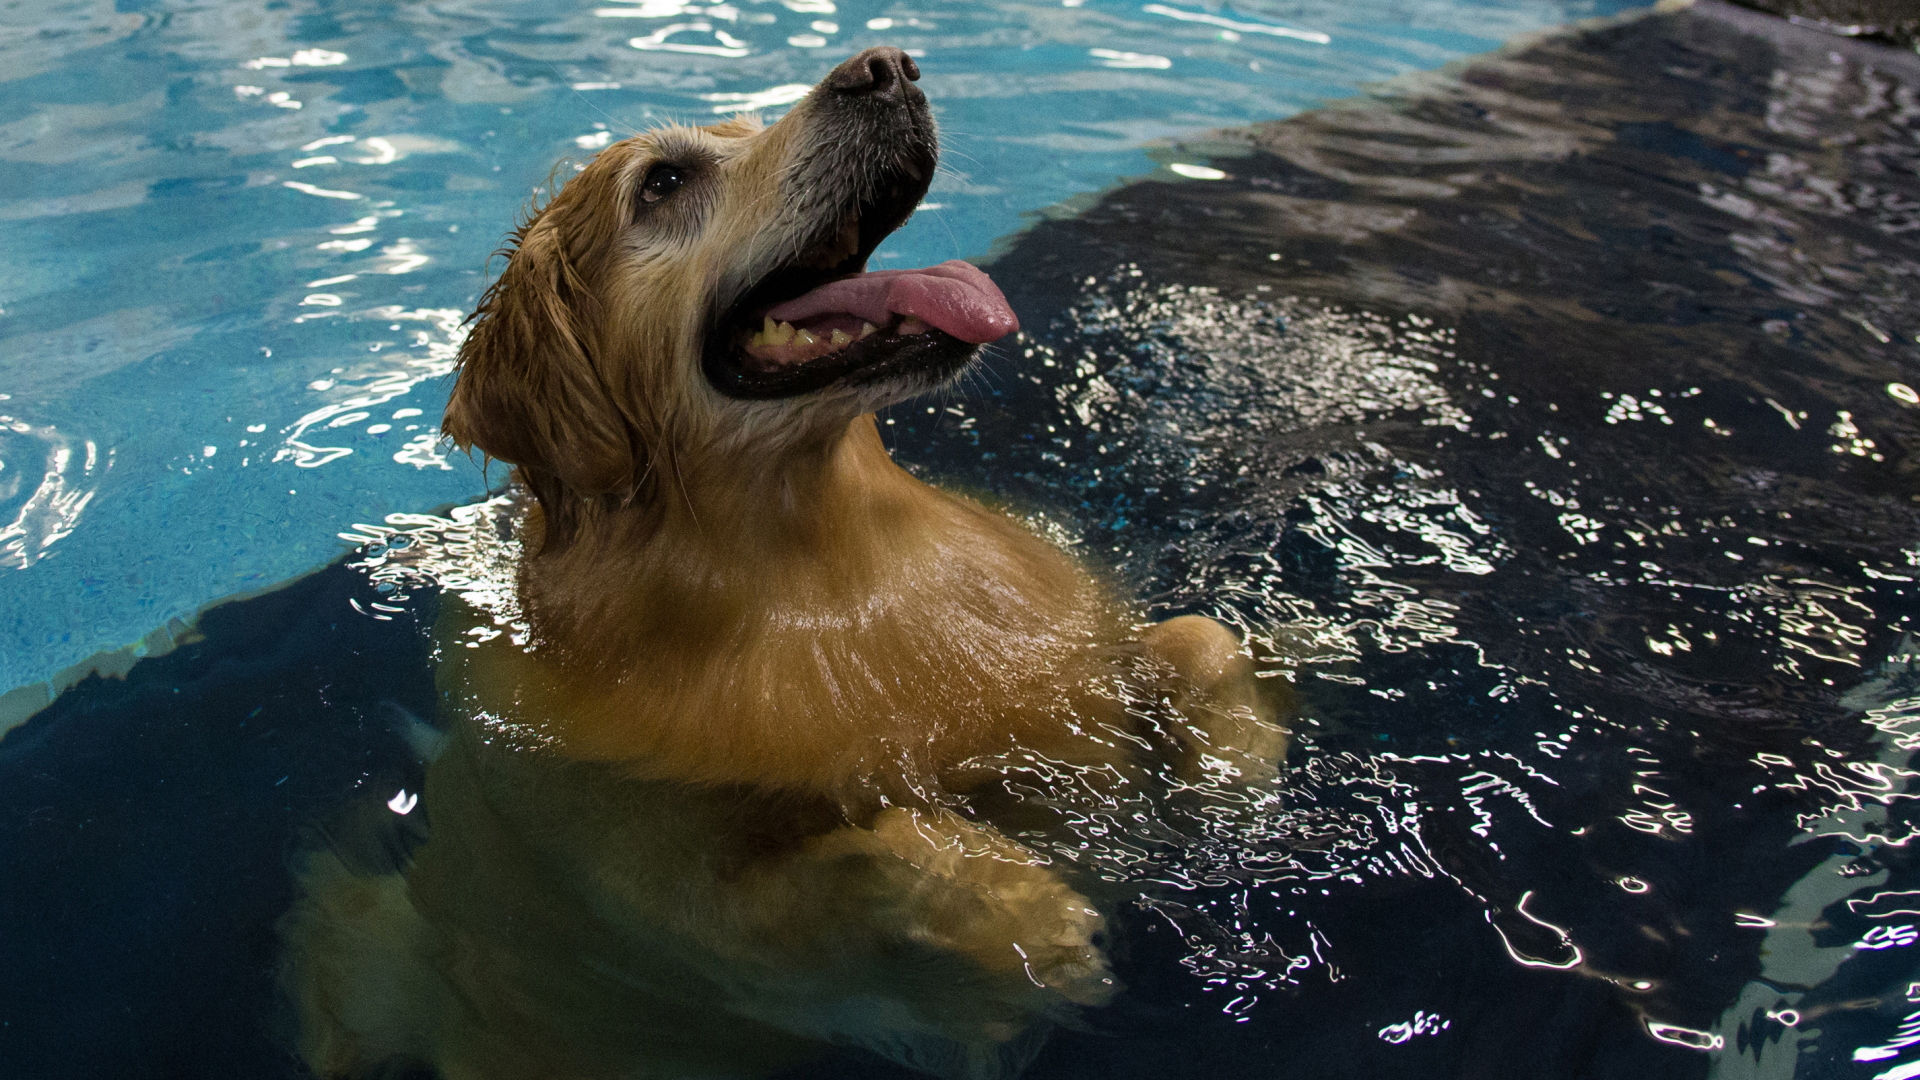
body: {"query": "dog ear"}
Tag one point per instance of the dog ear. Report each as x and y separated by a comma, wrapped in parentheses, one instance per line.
(528, 391)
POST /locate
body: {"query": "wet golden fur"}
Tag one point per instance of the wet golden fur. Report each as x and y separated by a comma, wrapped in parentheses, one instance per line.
(714, 818)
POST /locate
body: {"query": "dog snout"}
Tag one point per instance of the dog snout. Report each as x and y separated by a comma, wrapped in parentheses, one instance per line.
(882, 72)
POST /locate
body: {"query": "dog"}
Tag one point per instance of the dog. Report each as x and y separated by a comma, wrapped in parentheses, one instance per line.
(722, 808)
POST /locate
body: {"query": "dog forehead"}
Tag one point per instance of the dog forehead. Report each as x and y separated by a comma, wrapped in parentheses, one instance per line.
(680, 142)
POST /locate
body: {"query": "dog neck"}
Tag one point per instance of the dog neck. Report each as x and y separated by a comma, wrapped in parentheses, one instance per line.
(835, 609)
(719, 536)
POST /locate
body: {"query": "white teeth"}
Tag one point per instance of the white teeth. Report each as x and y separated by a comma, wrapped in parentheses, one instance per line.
(911, 325)
(772, 333)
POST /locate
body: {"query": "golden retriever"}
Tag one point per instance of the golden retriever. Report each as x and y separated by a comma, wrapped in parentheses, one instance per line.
(714, 816)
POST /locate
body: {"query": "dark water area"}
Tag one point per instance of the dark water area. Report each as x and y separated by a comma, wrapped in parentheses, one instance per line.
(1579, 381)
(1891, 22)
(1549, 422)
(149, 827)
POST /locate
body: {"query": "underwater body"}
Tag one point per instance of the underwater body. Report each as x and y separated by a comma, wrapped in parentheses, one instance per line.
(1546, 419)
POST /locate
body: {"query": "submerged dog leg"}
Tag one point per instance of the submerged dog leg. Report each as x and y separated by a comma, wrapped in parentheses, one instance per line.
(356, 966)
(984, 943)
(995, 901)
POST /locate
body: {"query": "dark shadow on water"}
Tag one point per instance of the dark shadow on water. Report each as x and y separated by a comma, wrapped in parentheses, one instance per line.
(1891, 22)
(147, 828)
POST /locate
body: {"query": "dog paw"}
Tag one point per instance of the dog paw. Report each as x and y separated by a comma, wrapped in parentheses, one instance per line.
(1231, 730)
(984, 896)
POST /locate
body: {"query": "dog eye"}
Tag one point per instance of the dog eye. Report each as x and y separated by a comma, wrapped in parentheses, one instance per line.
(661, 181)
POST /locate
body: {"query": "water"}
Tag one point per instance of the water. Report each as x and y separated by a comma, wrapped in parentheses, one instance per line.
(1555, 423)
(1550, 423)
(241, 237)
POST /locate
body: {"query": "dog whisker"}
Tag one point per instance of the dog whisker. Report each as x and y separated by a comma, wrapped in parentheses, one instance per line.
(950, 152)
(613, 122)
(684, 493)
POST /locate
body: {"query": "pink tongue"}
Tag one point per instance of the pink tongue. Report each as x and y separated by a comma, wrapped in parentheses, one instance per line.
(956, 297)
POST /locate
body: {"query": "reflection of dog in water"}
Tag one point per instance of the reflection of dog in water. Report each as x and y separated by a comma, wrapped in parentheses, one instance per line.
(728, 805)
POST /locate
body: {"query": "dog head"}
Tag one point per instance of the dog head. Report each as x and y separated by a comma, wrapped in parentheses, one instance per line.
(701, 292)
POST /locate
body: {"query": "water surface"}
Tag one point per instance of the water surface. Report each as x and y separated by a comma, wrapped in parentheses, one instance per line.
(1550, 423)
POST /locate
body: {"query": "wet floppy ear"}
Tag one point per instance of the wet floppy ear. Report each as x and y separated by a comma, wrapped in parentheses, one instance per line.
(528, 392)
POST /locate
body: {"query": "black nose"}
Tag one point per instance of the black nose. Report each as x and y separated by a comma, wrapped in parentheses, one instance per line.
(882, 72)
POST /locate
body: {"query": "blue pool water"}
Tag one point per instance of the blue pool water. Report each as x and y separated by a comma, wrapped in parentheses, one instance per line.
(240, 236)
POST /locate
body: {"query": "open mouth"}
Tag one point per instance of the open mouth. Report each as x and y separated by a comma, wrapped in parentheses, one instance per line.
(821, 318)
